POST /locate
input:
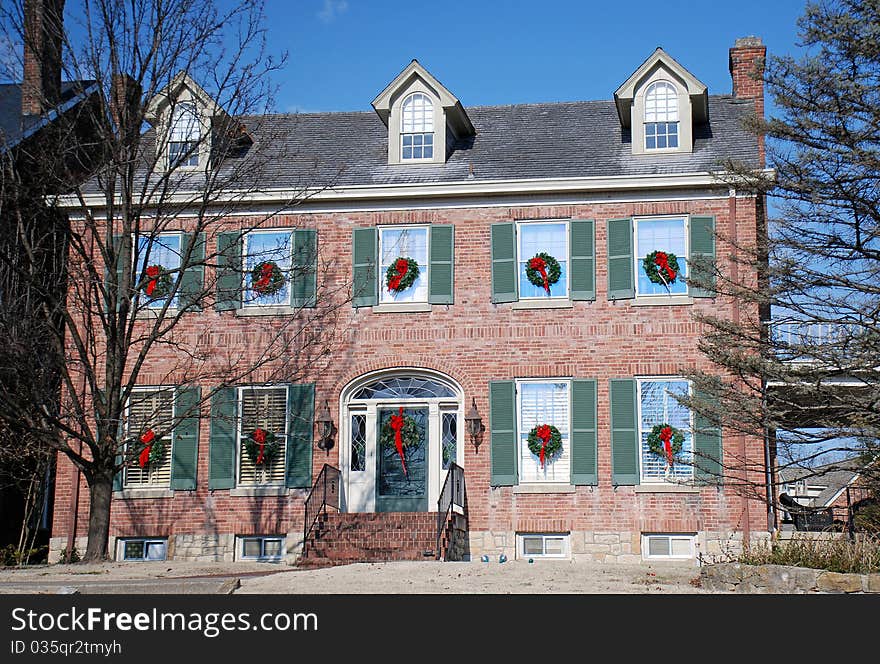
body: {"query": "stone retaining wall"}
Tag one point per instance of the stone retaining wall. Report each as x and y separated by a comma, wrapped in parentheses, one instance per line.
(782, 579)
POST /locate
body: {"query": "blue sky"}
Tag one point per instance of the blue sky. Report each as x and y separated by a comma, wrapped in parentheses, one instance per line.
(344, 52)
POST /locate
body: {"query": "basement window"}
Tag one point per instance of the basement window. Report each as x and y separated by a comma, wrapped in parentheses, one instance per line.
(261, 548)
(668, 547)
(543, 545)
(139, 549)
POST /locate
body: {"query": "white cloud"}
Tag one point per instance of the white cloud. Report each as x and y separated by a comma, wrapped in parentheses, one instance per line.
(332, 9)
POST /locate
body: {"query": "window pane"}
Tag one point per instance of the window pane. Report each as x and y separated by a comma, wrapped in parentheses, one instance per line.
(155, 551)
(150, 410)
(265, 408)
(404, 243)
(658, 546)
(659, 406)
(407, 140)
(554, 546)
(251, 548)
(403, 388)
(272, 548)
(681, 546)
(533, 546)
(162, 251)
(134, 550)
(544, 403)
(449, 438)
(428, 152)
(358, 442)
(667, 235)
(551, 239)
(268, 246)
(407, 153)
(661, 141)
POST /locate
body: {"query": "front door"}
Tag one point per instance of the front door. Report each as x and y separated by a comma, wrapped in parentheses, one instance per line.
(401, 460)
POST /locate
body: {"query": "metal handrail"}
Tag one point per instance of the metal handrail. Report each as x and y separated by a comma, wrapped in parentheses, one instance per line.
(325, 488)
(452, 494)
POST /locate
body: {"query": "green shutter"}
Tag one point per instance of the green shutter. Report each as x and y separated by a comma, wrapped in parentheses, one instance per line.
(502, 427)
(620, 260)
(624, 432)
(221, 453)
(117, 244)
(441, 264)
(300, 423)
(504, 262)
(192, 283)
(228, 271)
(582, 239)
(702, 255)
(583, 432)
(120, 456)
(707, 446)
(185, 439)
(365, 252)
(303, 289)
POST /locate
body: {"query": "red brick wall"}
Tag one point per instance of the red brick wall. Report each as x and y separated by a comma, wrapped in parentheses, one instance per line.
(474, 341)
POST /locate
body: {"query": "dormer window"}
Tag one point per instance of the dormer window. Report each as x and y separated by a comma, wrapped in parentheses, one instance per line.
(183, 144)
(417, 128)
(661, 116)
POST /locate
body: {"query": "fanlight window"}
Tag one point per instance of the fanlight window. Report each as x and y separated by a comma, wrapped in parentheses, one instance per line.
(404, 388)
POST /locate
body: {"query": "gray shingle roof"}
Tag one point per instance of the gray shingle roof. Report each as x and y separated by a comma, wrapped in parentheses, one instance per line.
(832, 476)
(13, 125)
(549, 140)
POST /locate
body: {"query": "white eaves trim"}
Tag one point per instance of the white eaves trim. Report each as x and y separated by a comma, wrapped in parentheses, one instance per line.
(438, 190)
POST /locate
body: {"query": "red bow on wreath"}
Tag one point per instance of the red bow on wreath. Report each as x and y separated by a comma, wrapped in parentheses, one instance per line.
(539, 264)
(265, 277)
(402, 267)
(152, 274)
(397, 425)
(666, 438)
(259, 437)
(662, 261)
(147, 439)
(544, 434)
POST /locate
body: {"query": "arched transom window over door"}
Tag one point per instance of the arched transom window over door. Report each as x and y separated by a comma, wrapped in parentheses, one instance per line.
(402, 431)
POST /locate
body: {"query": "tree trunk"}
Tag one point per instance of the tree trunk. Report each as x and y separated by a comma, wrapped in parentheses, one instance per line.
(100, 493)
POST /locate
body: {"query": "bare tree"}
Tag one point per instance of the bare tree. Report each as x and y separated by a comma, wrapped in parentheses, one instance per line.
(804, 368)
(194, 74)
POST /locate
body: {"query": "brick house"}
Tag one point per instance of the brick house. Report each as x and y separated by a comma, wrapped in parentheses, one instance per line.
(583, 340)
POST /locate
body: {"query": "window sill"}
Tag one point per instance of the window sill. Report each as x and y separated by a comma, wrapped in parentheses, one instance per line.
(402, 307)
(544, 488)
(662, 300)
(265, 311)
(133, 494)
(542, 304)
(252, 491)
(153, 314)
(666, 488)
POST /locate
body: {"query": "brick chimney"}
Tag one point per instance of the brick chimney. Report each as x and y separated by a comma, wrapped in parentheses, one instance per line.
(747, 70)
(43, 25)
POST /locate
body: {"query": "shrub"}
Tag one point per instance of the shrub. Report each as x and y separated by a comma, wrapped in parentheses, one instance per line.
(839, 554)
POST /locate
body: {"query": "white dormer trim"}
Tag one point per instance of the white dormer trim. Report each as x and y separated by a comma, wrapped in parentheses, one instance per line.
(693, 101)
(450, 119)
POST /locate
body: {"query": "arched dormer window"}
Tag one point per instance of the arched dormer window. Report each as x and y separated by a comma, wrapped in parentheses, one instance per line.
(417, 128)
(661, 116)
(183, 143)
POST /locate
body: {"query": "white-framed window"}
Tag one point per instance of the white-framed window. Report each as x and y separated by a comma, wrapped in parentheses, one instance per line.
(662, 234)
(417, 128)
(183, 140)
(548, 237)
(543, 545)
(663, 546)
(661, 116)
(544, 401)
(264, 408)
(403, 242)
(658, 405)
(260, 249)
(150, 413)
(141, 549)
(158, 256)
(263, 548)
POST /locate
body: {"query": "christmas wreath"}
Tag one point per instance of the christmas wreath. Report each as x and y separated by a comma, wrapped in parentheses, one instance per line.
(661, 267)
(158, 281)
(261, 446)
(400, 432)
(543, 270)
(401, 274)
(153, 449)
(665, 441)
(267, 278)
(545, 442)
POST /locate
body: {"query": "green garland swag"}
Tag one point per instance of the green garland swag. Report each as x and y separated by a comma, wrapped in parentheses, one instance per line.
(549, 265)
(536, 443)
(267, 278)
(661, 267)
(655, 441)
(156, 447)
(157, 282)
(401, 274)
(409, 434)
(271, 446)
